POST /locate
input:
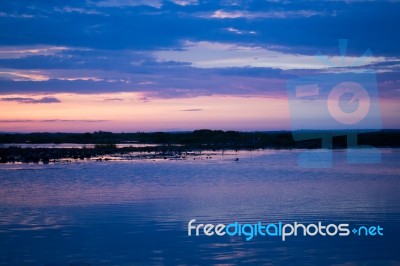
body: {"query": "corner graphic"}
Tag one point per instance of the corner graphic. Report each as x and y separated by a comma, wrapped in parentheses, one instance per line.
(345, 103)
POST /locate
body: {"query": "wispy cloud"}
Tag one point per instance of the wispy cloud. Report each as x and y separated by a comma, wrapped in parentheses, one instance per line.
(185, 2)
(17, 75)
(50, 120)
(82, 78)
(79, 10)
(113, 99)
(31, 100)
(7, 52)
(222, 55)
(240, 32)
(192, 110)
(16, 120)
(234, 14)
(15, 15)
(127, 3)
(73, 120)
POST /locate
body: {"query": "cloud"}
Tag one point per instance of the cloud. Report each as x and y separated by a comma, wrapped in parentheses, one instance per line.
(73, 120)
(113, 99)
(31, 100)
(185, 2)
(16, 120)
(70, 58)
(222, 55)
(186, 48)
(234, 14)
(7, 52)
(50, 120)
(84, 11)
(240, 32)
(17, 75)
(300, 25)
(127, 3)
(133, 3)
(15, 15)
(192, 110)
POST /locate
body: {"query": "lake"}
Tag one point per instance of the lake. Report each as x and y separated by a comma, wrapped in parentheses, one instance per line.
(137, 212)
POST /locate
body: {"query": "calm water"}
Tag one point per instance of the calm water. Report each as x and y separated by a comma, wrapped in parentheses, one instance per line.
(136, 213)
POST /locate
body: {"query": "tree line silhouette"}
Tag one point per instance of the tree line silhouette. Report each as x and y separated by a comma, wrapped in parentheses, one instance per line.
(170, 143)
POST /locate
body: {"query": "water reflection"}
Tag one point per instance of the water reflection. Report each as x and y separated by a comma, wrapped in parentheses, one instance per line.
(137, 212)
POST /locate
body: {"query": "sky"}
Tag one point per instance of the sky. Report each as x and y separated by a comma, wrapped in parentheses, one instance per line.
(174, 65)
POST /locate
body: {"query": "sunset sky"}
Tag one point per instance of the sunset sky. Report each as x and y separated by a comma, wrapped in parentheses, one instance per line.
(170, 65)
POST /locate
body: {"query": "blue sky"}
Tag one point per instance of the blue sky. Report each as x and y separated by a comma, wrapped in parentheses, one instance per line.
(185, 49)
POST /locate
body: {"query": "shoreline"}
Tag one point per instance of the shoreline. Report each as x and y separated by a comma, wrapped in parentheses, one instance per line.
(13, 155)
(161, 145)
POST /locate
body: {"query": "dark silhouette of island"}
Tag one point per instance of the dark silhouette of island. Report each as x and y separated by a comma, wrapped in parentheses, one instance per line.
(169, 144)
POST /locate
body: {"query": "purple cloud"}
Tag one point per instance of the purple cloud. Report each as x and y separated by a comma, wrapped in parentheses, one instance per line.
(31, 100)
